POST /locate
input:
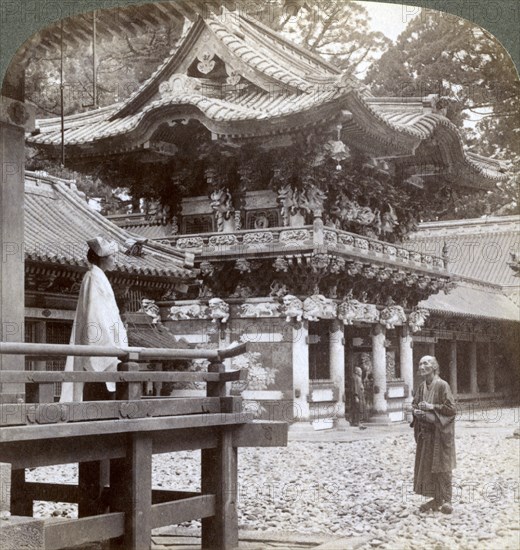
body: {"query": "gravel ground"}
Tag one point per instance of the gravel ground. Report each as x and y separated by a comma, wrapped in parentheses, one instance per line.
(362, 488)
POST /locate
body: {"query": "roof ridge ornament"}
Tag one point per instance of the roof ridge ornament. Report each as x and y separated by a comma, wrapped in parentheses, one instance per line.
(206, 62)
(179, 83)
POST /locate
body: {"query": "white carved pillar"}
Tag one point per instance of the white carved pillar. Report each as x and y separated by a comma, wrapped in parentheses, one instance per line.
(406, 356)
(337, 365)
(300, 364)
(491, 364)
(379, 373)
(453, 366)
(473, 382)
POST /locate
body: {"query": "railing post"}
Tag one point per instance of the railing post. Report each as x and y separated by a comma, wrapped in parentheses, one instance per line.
(219, 477)
(127, 391)
(19, 532)
(92, 479)
(131, 492)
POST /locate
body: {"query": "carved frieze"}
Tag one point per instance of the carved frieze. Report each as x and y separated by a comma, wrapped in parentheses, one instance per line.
(319, 307)
(346, 239)
(188, 311)
(223, 240)
(390, 250)
(361, 243)
(294, 236)
(260, 237)
(190, 242)
(260, 309)
(403, 254)
(398, 276)
(330, 237)
(376, 246)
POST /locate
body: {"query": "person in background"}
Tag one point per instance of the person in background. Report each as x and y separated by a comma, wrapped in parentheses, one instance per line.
(433, 409)
(97, 323)
(358, 400)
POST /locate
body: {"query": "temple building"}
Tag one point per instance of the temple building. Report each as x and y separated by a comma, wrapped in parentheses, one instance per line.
(294, 189)
(474, 330)
(58, 223)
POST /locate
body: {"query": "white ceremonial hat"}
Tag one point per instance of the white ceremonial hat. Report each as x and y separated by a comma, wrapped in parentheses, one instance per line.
(102, 247)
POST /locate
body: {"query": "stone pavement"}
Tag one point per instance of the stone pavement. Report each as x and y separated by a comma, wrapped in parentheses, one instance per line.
(181, 538)
(188, 538)
(178, 538)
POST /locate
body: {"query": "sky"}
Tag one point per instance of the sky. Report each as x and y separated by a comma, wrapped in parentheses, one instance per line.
(390, 19)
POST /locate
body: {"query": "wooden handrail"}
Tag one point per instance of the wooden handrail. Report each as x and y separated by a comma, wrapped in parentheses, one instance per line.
(48, 377)
(142, 354)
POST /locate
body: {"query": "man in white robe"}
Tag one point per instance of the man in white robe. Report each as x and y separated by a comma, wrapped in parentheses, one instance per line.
(97, 321)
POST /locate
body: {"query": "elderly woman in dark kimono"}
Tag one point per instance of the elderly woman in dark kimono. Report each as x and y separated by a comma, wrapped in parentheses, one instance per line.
(434, 412)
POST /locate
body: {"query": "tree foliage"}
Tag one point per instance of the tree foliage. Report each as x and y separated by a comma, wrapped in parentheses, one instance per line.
(451, 57)
(337, 30)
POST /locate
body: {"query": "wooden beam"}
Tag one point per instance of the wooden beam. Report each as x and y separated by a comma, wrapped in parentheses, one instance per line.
(185, 440)
(105, 427)
(57, 413)
(131, 491)
(219, 477)
(42, 377)
(49, 452)
(261, 434)
(174, 512)
(63, 350)
(75, 532)
(93, 476)
(52, 492)
(160, 496)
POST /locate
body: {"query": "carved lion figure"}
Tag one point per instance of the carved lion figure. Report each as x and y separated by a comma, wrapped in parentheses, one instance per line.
(292, 307)
(392, 316)
(318, 307)
(151, 309)
(350, 310)
(218, 309)
(417, 318)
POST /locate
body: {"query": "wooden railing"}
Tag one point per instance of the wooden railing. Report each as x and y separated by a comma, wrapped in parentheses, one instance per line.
(114, 440)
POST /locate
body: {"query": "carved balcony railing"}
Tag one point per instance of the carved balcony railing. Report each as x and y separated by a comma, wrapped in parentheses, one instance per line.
(309, 238)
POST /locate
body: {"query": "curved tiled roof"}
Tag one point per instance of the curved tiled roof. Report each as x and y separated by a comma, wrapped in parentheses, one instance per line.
(474, 301)
(258, 106)
(477, 248)
(310, 91)
(58, 222)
